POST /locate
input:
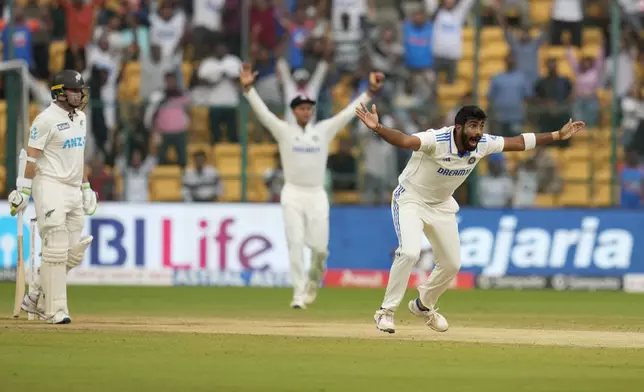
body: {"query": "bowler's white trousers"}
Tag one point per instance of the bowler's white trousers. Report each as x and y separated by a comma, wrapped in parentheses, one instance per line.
(412, 217)
(60, 215)
(306, 220)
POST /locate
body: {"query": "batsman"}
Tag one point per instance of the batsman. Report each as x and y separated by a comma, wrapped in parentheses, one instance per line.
(62, 195)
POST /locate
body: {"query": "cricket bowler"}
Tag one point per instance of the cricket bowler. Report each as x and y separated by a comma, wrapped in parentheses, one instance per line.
(62, 195)
(304, 150)
(423, 203)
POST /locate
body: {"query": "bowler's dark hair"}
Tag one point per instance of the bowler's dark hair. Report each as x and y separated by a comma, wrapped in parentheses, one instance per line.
(469, 112)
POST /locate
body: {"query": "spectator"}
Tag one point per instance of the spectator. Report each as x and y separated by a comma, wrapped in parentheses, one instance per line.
(274, 180)
(300, 83)
(625, 70)
(506, 96)
(136, 174)
(266, 83)
(115, 38)
(417, 38)
(218, 76)
(22, 39)
(299, 33)
(347, 21)
(548, 177)
(136, 36)
(526, 184)
(99, 56)
(588, 75)
(201, 183)
(232, 26)
(496, 188)
(553, 100)
(447, 38)
(409, 98)
(632, 114)
(379, 162)
(153, 70)
(168, 29)
(167, 116)
(343, 168)
(102, 181)
(97, 78)
(40, 22)
(525, 50)
(263, 24)
(567, 15)
(79, 22)
(631, 182)
(207, 24)
(386, 54)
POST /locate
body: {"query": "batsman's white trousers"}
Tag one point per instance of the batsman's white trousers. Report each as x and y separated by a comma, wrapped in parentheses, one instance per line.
(60, 215)
(412, 217)
(306, 220)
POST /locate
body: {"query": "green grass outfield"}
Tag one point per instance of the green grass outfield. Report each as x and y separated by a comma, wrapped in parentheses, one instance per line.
(247, 339)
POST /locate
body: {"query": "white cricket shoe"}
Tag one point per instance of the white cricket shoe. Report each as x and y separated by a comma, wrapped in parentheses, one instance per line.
(384, 319)
(60, 318)
(30, 304)
(433, 319)
(310, 292)
(298, 304)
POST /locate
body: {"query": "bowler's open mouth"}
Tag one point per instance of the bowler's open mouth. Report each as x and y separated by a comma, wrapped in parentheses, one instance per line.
(473, 141)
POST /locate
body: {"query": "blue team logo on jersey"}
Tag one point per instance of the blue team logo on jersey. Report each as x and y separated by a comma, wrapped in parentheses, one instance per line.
(9, 242)
(471, 160)
(74, 142)
(33, 133)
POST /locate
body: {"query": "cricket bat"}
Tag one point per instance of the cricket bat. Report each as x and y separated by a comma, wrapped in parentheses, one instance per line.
(20, 271)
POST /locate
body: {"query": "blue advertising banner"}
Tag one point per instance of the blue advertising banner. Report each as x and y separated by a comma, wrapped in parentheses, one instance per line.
(504, 242)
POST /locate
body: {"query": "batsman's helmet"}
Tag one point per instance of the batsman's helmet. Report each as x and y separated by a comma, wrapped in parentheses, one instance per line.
(69, 79)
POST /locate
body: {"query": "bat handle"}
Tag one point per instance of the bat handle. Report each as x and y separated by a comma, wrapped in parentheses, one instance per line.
(20, 234)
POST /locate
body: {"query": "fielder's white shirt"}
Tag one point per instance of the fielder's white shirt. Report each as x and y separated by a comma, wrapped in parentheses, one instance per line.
(304, 152)
(62, 142)
(435, 171)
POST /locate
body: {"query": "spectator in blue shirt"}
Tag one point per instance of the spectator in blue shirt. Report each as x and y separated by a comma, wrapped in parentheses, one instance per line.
(506, 96)
(22, 40)
(417, 38)
(632, 182)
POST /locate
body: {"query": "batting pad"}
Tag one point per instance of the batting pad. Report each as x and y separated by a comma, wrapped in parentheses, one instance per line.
(53, 271)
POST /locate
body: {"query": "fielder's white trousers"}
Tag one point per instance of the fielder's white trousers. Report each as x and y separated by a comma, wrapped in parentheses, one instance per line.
(60, 215)
(412, 217)
(306, 220)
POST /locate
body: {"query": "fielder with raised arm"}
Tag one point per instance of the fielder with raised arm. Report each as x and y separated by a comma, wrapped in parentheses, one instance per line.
(423, 203)
(304, 150)
(62, 195)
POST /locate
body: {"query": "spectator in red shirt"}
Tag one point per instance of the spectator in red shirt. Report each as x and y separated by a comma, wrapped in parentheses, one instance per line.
(79, 19)
(263, 23)
(102, 181)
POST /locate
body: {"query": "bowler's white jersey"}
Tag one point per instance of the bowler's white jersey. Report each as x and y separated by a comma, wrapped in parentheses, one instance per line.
(62, 142)
(304, 152)
(435, 171)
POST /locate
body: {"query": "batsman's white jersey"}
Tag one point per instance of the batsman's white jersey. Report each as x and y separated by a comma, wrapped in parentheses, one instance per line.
(423, 203)
(304, 153)
(62, 142)
(57, 195)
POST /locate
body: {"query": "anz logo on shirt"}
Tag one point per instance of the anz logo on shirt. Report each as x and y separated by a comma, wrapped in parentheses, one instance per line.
(74, 142)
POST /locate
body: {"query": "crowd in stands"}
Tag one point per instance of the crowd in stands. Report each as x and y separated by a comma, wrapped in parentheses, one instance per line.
(188, 54)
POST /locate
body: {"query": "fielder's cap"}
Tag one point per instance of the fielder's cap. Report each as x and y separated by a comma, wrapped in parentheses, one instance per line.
(301, 99)
(301, 74)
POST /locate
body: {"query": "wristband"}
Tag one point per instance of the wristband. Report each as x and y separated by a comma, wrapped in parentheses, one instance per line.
(529, 140)
(556, 136)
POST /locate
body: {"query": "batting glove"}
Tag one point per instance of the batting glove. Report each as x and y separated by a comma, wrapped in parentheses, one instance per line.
(18, 200)
(90, 199)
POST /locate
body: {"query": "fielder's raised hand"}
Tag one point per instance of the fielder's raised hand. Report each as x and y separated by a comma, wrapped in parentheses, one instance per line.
(247, 76)
(568, 130)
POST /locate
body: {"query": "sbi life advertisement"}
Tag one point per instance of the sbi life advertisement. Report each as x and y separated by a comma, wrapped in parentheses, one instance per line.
(245, 245)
